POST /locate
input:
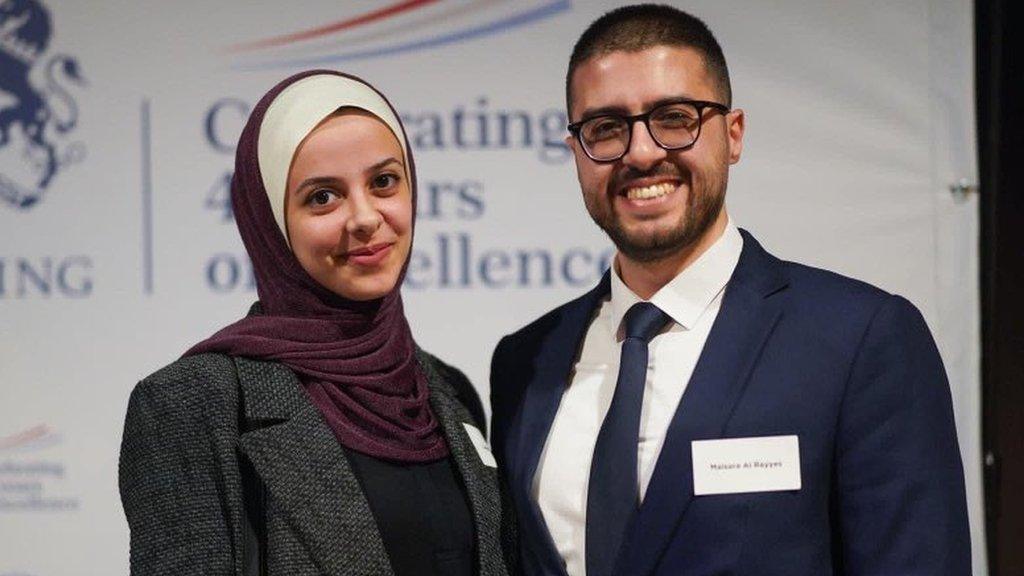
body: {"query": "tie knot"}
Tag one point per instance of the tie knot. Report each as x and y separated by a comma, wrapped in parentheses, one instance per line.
(644, 320)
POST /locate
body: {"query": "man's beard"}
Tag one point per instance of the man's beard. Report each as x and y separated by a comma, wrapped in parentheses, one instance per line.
(702, 209)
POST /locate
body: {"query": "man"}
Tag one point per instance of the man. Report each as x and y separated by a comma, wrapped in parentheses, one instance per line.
(764, 417)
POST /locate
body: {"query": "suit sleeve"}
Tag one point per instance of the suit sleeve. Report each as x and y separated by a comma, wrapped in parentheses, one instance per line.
(172, 490)
(900, 496)
(501, 408)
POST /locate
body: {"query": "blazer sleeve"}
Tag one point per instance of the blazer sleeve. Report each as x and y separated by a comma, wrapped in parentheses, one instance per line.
(499, 422)
(173, 488)
(900, 494)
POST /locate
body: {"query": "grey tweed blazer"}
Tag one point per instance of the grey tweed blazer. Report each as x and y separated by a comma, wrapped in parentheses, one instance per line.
(187, 439)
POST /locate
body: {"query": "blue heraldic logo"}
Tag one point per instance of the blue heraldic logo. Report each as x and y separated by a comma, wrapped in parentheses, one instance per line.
(37, 112)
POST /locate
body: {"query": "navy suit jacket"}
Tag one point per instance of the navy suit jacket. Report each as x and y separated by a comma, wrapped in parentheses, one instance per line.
(851, 370)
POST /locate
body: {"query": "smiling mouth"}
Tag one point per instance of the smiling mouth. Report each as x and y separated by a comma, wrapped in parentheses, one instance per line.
(648, 192)
(366, 256)
(367, 250)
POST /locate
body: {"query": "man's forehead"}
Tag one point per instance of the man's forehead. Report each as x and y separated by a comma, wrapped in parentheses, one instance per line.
(635, 80)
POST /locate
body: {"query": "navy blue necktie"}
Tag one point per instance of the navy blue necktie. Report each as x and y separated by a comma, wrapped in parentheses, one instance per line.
(612, 493)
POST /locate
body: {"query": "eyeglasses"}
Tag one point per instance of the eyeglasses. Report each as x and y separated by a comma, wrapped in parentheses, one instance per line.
(673, 126)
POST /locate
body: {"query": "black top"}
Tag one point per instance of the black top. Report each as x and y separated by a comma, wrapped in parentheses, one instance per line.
(422, 514)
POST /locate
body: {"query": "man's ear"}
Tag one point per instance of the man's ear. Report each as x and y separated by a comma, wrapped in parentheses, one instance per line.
(735, 124)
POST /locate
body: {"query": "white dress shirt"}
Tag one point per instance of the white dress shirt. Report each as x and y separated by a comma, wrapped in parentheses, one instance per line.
(692, 300)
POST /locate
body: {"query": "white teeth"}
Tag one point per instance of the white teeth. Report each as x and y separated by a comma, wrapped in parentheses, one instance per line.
(647, 192)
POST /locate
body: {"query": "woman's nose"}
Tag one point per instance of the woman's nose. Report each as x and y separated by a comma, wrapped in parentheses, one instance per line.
(365, 217)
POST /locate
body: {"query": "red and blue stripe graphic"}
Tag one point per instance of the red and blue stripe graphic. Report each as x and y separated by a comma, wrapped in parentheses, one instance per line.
(410, 20)
(38, 436)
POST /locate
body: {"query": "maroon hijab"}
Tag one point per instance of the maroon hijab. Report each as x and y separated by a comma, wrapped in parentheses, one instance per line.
(356, 360)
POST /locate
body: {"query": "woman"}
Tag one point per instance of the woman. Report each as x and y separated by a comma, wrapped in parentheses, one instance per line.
(313, 436)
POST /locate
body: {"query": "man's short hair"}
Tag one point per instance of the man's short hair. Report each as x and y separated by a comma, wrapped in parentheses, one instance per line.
(642, 26)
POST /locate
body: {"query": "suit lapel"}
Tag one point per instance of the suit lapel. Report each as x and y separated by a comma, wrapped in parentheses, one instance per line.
(480, 481)
(751, 306)
(306, 472)
(551, 368)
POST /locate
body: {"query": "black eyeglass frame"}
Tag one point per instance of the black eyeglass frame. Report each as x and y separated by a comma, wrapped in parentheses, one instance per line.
(700, 105)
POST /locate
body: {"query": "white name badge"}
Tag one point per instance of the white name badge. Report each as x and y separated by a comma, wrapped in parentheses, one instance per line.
(477, 438)
(737, 465)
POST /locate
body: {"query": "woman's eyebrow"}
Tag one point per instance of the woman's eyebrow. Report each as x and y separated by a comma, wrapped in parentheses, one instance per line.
(316, 181)
(332, 181)
(385, 162)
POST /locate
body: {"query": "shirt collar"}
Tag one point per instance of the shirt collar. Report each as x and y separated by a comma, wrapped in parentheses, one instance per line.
(687, 296)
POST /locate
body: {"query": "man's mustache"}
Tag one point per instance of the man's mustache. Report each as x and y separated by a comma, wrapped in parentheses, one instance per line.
(630, 174)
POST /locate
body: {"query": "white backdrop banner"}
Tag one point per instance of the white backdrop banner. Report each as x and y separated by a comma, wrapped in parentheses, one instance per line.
(118, 123)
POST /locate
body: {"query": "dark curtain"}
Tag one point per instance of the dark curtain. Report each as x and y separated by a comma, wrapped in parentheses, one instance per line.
(999, 29)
